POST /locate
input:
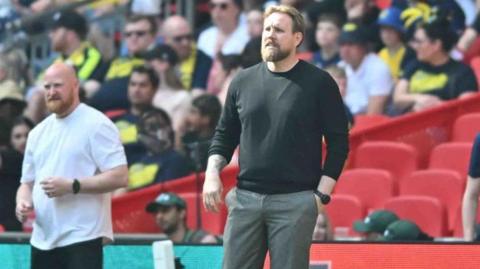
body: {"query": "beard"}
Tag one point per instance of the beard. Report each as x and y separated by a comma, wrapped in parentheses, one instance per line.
(273, 54)
(59, 106)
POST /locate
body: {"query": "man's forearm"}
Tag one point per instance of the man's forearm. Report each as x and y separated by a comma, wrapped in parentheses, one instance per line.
(24, 192)
(216, 163)
(107, 181)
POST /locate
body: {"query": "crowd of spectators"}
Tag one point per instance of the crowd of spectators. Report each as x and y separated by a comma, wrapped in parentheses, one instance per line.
(163, 79)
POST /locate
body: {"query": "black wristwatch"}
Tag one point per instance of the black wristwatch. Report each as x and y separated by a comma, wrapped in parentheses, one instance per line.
(324, 198)
(76, 186)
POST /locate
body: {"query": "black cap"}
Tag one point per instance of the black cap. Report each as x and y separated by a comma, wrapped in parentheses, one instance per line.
(162, 52)
(353, 33)
(70, 20)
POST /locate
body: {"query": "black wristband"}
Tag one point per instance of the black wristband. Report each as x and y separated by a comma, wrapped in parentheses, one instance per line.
(324, 198)
(76, 186)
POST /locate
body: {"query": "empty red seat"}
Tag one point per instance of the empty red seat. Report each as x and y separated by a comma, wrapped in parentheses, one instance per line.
(453, 156)
(343, 210)
(371, 186)
(446, 185)
(466, 127)
(427, 212)
(398, 158)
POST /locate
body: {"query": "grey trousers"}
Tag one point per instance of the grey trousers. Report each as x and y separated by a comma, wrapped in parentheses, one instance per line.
(280, 223)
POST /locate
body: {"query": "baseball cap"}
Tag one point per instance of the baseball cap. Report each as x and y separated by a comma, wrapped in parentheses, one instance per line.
(165, 199)
(162, 52)
(376, 222)
(391, 17)
(404, 230)
(353, 33)
(70, 20)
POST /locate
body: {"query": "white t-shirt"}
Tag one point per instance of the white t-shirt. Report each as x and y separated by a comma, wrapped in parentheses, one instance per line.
(234, 44)
(80, 145)
(372, 78)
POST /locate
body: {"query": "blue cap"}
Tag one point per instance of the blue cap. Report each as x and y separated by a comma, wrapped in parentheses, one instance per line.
(391, 17)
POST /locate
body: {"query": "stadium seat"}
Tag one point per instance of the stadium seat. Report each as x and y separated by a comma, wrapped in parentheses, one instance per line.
(475, 64)
(343, 210)
(466, 127)
(211, 222)
(427, 212)
(398, 158)
(383, 4)
(2, 229)
(446, 185)
(371, 186)
(453, 156)
(365, 121)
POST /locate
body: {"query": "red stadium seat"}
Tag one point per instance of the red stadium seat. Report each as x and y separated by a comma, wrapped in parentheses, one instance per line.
(453, 156)
(475, 63)
(2, 229)
(427, 212)
(466, 127)
(211, 222)
(371, 186)
(343, 210)
(365, 121)
(398, 158)
(446, 185)
(383, 4)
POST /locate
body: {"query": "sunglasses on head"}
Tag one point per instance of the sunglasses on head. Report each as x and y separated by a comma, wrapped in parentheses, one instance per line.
(180, 38)
(135, 33)
(222, 6)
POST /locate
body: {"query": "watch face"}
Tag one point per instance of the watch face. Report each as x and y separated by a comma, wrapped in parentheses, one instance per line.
(325, 199)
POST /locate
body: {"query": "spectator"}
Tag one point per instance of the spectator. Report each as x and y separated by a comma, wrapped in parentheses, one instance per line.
(323, 228)
(194, 63)
(230, 65)
(472, 192)
(170, 95)
(369, 82)
(365, 13)
(201, 122)
(140, 32)
(338, 74)
(170, 212)
(326, 37)
(68, 38)
(228, 34)
(161, 162)
(404, 230)
(436, 77)
(375, 224)
(251, 54)
(142, 86)
(395, 53)
(10, 172)
(254, 23)
(12, 103)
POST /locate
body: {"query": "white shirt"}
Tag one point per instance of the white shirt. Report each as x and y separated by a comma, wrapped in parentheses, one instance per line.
(80, 145)
(371, 78)
(234, 44)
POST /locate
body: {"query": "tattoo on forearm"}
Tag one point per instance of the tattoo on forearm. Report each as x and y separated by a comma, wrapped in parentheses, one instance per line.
(216, 163)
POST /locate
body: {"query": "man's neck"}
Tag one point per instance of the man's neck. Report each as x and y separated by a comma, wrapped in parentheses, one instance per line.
(69, 110)
(178, 235)
(440, 59)
(283, 65)
(227, 28)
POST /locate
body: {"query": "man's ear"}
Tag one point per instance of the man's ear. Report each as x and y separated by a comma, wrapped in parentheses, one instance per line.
(298, 38)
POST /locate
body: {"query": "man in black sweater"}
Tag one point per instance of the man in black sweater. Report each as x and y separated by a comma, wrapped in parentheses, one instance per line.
(278, 111)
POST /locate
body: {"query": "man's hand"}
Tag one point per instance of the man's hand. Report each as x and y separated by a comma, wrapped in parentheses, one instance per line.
(425, 101)
(212, 192)
(56, 186)
(23, 209)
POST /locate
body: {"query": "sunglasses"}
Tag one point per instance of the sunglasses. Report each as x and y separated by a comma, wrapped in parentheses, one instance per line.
(221, 6)
(180, 38)
(135, 33)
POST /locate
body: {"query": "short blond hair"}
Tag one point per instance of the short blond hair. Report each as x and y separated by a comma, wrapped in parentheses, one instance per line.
(298, 23)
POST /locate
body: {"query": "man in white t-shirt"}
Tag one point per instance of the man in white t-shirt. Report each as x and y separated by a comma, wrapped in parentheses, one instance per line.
(73, 160)
(369, 82)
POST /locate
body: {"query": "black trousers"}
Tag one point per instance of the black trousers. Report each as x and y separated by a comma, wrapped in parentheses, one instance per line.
(87, 254)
